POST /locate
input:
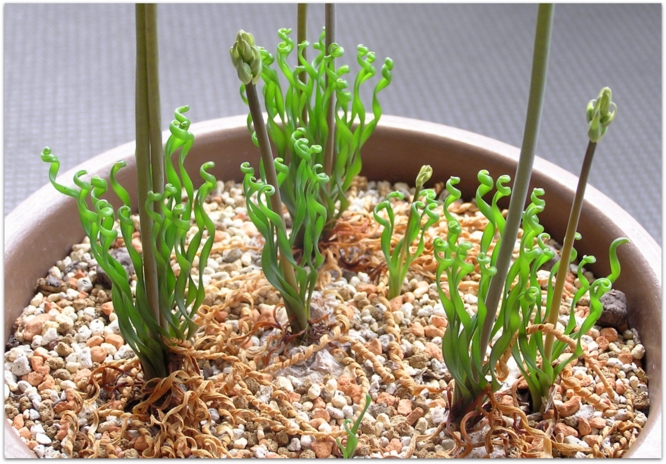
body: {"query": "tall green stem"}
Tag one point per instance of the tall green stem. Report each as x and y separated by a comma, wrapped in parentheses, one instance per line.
(329, 151)
(276, 199)
(567, 246)
(145, 15)
(524, 170)
(154, 118)
(302, 37)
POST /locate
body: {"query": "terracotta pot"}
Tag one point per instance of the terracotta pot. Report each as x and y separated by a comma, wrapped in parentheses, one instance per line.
(45, 226)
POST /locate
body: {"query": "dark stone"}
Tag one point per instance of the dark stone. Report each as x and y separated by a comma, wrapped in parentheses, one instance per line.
(122, 256)
(13, 342)
(252, 385)
(642, 376)
(614, 313)
(377, 409)
(642, 402)
(348, 274)
(232, 255)
(51, 285)
(72, 267)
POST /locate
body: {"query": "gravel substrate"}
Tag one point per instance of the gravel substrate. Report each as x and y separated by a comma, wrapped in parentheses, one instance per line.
(292, 404)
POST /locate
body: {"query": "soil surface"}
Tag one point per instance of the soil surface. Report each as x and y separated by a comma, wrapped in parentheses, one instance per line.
(73, 388)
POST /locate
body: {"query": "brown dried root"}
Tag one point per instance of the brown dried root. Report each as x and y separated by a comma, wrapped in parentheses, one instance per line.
(575, 383)
(177, 405)
(339, 329)
(543, 446)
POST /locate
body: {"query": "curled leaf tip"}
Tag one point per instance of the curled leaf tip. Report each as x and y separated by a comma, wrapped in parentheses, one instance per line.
(424, 175)
(600, 113)
(246, 58)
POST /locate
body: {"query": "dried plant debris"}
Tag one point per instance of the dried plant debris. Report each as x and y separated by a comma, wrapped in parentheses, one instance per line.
(73, 388)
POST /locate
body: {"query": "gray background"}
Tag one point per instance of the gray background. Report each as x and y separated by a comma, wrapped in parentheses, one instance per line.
(69, 78)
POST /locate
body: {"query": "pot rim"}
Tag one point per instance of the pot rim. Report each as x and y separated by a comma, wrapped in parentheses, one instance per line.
(16, 220)
(101, 165)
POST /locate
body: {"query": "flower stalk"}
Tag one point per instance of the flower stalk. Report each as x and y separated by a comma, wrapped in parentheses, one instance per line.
(148, 148)
(524, 169)
(599, 117)
(329, 152)
(246, 58)
(301, 36)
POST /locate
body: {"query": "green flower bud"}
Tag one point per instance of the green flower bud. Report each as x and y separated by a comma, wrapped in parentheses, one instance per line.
(246, 58)
(599, 114)
(424, 175)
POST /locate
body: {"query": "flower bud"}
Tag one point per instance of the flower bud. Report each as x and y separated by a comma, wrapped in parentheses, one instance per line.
(599, 114)
(246, 58)
(424, 175)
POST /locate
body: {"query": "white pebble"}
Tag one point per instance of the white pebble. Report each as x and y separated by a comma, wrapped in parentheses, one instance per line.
(97, 327)
(307, 406)
(37, 428)
(36, 341)
(39, 450)
(306, 441)
(622, 415)
(21, 365)
(10, 380)
(49, 336)
(246, 259)
(83, 334)
(614, 362)
(638, 351)
(214, 415)
(418, 346)
(65, 384)
(110, 349)
(65, 323)
(84, 284)
(294, 445)
(331, 385)
(633, 381)
(438, 414)
(640, 419)
(348, 412)
(37, 300)
(425, 311)
(124, 352)
(24, 386)
(112, 328)
(36, 399)
(284, 384)
(73, 367)
(575, 441)
(241, 443)
(85, 358)
(314, 391)
(338, 400)
(407, 309)
(89, 311)
(335, 413)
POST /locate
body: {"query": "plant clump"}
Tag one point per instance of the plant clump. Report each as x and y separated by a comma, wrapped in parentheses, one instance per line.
(180, 295)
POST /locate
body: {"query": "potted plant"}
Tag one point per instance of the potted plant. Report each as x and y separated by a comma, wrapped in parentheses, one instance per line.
(461, 148)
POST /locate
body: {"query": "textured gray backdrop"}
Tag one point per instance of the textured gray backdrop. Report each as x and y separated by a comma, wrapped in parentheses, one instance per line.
(69, 78)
